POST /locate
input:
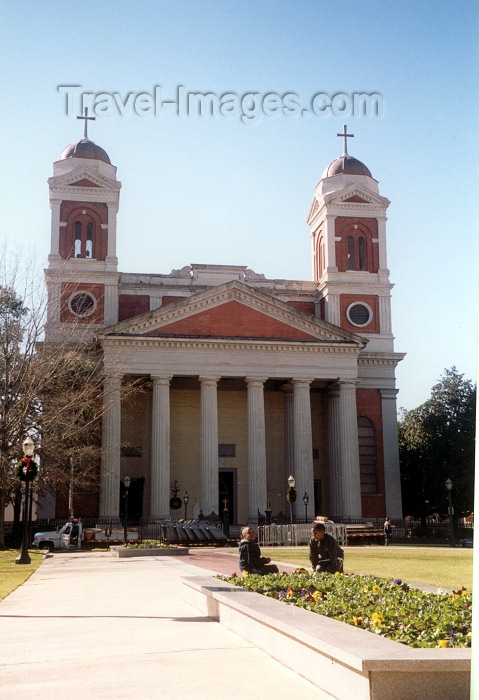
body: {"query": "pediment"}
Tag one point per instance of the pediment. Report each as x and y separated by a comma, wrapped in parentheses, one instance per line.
(236, 311)
(84, 182)
(83, 177)
(356, 194)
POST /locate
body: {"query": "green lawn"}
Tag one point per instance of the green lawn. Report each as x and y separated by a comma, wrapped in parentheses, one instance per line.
(444, 567)
(13, 575)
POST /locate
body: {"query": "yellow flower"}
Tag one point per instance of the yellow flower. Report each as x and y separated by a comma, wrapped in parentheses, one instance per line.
(290, 593)
(376, 622)
(377, 616)
(443, 643)
(375, 589)
(464, 592)
(337, 573)
(358, 621)
(317, 595)
(245, 574)
(365, 589)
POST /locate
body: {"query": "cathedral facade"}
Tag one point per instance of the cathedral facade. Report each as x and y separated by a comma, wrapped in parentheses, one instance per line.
(248, 380)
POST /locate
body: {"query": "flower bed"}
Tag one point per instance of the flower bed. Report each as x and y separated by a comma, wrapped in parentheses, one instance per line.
(384, 607)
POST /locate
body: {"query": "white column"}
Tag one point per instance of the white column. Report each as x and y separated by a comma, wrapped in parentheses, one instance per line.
(110, 455)
(209, 445)
(288, 430)
(257, 490)
(349, 477)
(303, 439)
(160, 448)
(392, 482)
(335, 509)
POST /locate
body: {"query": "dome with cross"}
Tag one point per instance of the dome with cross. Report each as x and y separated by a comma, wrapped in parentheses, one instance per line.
(85, 149)
(346, 165)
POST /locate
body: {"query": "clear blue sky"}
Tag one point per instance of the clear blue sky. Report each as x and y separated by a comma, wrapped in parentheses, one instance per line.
(219, 190)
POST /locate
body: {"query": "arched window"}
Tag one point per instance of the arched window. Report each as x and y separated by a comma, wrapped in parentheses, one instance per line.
(84, 231)
(77, 252)
(367, 456)
(351, 253)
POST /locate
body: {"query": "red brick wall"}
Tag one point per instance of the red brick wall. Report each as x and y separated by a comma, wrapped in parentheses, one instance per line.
(370, 300)
(97, 290)
(130, 305)
(368, 403)
(306, 307)
(234, 320)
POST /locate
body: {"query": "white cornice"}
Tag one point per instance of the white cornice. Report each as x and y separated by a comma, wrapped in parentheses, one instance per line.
(373, 359)
(237, 345)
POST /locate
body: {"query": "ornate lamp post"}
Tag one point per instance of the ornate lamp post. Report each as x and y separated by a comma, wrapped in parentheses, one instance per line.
(451, 511)
(126, 483)
(27, 470)
(305, 501)
(291, 495)
(186, 499)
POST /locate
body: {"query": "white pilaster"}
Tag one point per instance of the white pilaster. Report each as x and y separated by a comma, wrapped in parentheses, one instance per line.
(55, 231)
(160, 448)
(392, 482)
(112, 212)
(383, 262)
(111, 441)
(303, 439)
(257, 490)
(330, 248)
(209, 445)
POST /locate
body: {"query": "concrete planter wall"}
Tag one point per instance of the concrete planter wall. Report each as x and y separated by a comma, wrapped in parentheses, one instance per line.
(126, 552)
(342, 660)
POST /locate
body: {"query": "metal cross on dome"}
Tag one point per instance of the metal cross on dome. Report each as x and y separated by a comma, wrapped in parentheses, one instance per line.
(87, 119)
(345, 135)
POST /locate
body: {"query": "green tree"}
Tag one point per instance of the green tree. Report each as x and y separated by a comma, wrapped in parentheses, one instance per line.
(436, 443)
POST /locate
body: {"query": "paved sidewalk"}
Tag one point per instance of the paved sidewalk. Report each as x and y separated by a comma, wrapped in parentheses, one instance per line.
(90, 626)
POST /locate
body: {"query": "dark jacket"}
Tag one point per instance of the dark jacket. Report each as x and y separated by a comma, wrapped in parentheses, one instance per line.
(250, 558)
(328, 549)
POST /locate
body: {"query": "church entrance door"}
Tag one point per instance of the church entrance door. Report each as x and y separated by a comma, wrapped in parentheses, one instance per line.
(227, 489)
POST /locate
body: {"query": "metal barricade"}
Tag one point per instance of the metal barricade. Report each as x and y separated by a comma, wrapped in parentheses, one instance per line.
(293, 535)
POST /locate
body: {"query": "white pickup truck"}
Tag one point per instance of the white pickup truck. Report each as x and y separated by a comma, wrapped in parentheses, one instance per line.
(72, 535)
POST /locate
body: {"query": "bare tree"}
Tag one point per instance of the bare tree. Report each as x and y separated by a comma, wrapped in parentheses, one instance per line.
(50, 391)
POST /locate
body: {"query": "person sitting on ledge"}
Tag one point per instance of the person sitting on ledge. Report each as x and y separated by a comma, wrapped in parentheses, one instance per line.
(325, 554)
(250, 558)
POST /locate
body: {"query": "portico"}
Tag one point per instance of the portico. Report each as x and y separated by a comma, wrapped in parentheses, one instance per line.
(291, 384)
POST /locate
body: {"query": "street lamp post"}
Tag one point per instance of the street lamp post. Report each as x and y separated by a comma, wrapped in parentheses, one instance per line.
(451, 511)
(186, 498)
(305, 501)
(126, 484)
(291, 496)
(27, 472)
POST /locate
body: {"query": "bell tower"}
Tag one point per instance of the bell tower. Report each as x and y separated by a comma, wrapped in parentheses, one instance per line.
(82, 277)
(348, 232)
